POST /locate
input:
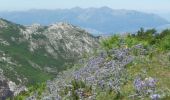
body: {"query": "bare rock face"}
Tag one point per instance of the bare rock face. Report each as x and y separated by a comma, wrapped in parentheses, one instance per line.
(64, 38)
(2, 24)
(8, 89)
(16, 89)
(5, 91)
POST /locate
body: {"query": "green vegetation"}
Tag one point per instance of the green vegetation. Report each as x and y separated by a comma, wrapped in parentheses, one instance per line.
(148, 38)
(155, 63)
(77, 85)
(38, 36)
(113, 41)
(36, 89)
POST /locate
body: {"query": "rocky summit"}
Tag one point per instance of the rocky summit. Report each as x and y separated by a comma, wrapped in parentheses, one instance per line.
(30, 54)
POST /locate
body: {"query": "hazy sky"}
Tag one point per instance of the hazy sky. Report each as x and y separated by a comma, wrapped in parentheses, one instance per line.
(142, 5)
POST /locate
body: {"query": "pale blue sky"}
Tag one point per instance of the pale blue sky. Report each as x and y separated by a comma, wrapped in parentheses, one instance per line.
(141, 5)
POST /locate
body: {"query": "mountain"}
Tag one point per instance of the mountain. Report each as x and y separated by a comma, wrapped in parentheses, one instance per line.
(30, 54)
(165, 15)
(163, 27)
(99, 20)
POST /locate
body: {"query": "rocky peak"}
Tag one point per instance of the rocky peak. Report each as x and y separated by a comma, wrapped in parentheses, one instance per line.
(35, 25)
(61, 25)
(33, 28)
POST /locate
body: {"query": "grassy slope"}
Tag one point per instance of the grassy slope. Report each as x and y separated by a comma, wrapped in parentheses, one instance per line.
(155, 64)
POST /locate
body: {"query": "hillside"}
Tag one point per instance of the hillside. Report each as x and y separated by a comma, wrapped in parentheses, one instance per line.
(98, 20)
(129, 67)
(62, 61)
(31, 54)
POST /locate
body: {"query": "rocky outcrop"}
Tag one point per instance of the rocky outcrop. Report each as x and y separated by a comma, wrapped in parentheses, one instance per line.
(3, 24)
(67, 39)
(5, 91)
(9, 89)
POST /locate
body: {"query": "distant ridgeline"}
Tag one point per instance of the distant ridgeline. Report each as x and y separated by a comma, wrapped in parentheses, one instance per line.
(96, 20)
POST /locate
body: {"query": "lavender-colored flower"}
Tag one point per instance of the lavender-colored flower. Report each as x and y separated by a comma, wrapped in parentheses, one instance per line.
(101, 84)
(150, 82)
(145, 87)
(138, 84)
(110, 84)
(155, 96)
(77, 76)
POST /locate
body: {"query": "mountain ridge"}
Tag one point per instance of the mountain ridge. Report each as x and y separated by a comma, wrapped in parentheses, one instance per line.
(104, 19)
(37, 52)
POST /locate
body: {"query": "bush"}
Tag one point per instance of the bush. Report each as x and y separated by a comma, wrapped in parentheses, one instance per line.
(112, 42)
